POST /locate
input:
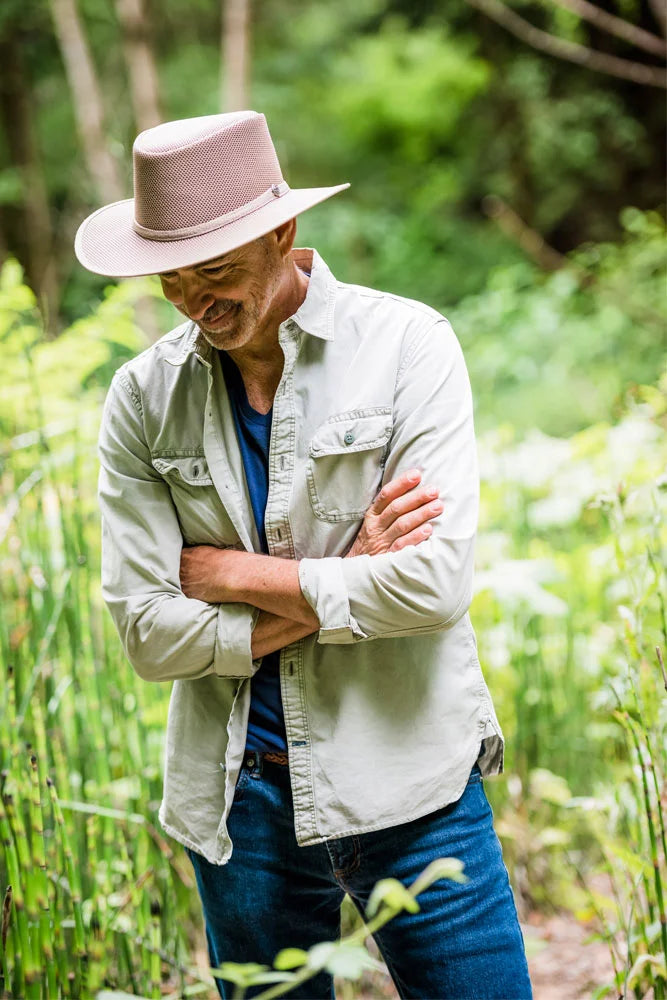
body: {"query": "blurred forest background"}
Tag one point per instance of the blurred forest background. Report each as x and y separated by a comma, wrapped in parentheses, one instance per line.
(507, 166)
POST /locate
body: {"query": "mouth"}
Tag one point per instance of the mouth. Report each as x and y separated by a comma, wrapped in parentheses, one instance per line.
(222, 319)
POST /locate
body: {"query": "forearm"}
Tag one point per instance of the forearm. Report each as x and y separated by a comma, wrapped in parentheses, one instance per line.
(223, 576)
(272, 632)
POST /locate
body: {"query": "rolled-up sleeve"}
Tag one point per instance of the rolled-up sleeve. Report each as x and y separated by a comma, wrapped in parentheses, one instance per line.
(425, 587)
(166, 635)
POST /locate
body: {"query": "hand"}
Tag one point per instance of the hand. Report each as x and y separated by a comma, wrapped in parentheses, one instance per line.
(398, 516)
(205, 572)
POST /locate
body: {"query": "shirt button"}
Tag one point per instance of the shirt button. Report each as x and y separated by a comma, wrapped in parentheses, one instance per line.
(349, 437)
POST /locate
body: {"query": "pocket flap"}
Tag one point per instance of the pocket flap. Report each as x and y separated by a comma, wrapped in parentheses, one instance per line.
(192, 469)
(353, 431)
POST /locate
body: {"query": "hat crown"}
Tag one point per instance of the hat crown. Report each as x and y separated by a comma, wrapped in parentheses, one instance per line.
(189, 172)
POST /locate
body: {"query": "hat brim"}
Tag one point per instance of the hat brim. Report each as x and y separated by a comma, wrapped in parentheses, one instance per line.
(106, 242)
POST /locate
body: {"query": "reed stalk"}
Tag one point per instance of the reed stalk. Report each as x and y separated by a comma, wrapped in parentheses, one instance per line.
(72, 873)
(25, 974)
(643, 753)
(42, 882)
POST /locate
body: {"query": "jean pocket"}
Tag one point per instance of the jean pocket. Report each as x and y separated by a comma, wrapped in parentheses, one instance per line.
(241, 784)
(475, 775)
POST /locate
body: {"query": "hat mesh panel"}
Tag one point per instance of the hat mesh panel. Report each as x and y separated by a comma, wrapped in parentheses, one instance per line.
(188, 183)
(173, 135)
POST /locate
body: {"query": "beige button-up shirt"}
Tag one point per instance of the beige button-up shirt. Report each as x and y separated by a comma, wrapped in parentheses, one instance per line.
(386, 706)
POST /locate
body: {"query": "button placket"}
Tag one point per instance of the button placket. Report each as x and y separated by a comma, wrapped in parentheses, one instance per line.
(279, 535)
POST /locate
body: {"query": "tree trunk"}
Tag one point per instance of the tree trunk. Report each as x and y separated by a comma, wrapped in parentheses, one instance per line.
(29, 222)
(86, 97)
(145, 89)
(140, 62)
(235, 31)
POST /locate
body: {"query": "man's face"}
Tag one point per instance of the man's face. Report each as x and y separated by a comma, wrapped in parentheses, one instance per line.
(230, 297)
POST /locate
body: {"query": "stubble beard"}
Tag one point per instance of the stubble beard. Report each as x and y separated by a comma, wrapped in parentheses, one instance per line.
(249, 313)
(235, 335)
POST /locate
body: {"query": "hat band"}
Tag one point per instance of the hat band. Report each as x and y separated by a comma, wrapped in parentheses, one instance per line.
(275, 191)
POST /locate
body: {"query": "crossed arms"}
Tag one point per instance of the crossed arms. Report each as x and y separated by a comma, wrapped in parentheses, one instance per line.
(398, 516)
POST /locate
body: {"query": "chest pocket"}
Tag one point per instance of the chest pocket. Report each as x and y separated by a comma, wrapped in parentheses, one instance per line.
(189, 470)
(201, 515)
(345, 462)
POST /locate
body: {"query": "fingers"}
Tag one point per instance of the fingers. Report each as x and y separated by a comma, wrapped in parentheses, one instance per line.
(399, 515)
(419, 534)
(394, 489)
(424, 499)
(413, 519)
(400, 496)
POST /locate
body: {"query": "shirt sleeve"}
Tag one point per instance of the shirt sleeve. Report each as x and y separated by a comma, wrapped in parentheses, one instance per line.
(166, 635)
(425, 587)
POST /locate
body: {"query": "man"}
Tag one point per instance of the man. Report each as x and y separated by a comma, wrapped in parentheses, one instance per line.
(289, 499)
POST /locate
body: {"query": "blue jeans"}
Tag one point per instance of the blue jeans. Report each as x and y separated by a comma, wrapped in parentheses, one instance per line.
(464, 944)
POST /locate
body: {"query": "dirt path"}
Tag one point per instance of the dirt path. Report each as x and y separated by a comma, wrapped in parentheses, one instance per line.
(562, 966)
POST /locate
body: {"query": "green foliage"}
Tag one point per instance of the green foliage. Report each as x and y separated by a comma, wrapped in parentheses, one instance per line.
(573, 139)
(43, 379)
(559, 351)
(400, 96)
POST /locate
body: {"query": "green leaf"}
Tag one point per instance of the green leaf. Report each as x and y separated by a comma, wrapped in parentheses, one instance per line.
(450, 868)
(271, 977)
(238, 972)
(290, 958)
(602, 991)
(657, 965)
(319, 954)
(391, 893)
(350, 961)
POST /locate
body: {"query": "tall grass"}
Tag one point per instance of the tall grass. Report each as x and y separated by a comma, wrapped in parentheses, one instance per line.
(97, 894)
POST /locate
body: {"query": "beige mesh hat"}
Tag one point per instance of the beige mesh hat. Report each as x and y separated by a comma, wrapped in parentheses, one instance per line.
(202, 187)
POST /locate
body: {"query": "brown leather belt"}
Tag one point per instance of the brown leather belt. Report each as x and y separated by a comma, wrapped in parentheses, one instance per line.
(254, 759)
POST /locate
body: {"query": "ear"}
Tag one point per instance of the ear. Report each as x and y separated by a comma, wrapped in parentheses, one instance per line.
(285, 236)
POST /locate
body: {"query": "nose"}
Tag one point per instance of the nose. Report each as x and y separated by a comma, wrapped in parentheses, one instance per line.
(192, 296)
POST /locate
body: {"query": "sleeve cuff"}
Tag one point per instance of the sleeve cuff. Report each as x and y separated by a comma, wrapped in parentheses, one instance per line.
(323, 585)
(232, 656)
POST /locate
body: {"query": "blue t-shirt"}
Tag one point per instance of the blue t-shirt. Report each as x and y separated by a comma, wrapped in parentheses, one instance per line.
(266, 722)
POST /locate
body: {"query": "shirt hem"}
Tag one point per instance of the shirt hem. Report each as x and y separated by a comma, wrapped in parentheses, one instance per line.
(185, 841)
(419, 814)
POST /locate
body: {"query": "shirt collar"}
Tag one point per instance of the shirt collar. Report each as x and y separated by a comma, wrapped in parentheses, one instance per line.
(194, 342)
(315, 315)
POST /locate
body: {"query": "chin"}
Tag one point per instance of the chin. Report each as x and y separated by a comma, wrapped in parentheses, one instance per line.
(227, 340)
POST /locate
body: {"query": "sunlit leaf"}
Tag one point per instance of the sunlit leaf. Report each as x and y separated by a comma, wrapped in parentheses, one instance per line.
(290, 958)
(350, 961)
(450, 868)
(241, 973)
(645, 963)
(393, 894)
